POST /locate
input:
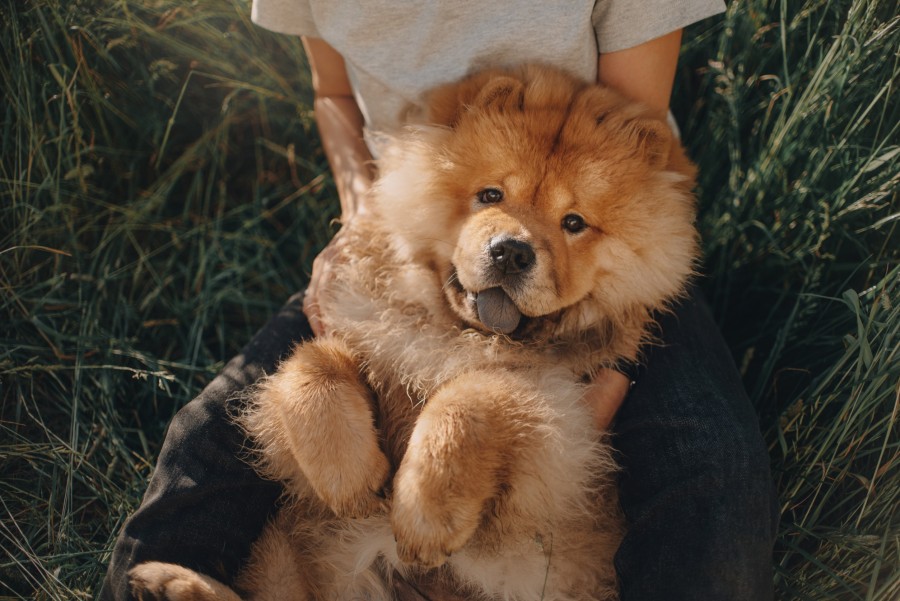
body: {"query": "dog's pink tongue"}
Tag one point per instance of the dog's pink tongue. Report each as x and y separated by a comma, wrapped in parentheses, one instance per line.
(497, 311)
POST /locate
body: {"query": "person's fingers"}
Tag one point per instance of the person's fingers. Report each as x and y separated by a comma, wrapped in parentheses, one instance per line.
(321, 273)
(311, 298)
(311, 310)
(605, 395)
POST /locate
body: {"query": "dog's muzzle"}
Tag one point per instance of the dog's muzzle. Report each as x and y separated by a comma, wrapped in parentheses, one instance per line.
(508, 260)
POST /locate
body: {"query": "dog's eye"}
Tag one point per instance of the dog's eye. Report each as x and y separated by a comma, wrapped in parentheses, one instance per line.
(490, 196)
(573, 223)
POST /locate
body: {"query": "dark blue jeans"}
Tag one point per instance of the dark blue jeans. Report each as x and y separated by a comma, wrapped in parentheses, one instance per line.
(695, 485)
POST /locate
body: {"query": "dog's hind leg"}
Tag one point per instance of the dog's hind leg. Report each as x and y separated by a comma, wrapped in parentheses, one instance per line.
(314, 423)
(158, 581)
(277, 569)
(275, 572)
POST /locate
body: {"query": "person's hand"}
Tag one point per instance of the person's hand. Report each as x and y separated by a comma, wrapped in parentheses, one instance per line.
(321, 272)
(605, 394)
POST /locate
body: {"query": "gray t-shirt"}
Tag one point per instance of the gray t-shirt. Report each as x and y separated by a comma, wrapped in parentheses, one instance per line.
(395, 50)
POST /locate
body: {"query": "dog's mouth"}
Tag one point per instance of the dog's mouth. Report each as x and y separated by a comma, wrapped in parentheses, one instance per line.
(496, 310)
(490, 309)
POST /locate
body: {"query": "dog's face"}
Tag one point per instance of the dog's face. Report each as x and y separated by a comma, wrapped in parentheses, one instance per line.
(541, 200)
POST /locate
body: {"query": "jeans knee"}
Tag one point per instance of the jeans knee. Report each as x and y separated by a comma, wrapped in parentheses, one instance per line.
(737, 467)
(740, 459)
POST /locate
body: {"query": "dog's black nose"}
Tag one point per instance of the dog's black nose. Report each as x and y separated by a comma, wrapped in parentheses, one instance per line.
(511, 256)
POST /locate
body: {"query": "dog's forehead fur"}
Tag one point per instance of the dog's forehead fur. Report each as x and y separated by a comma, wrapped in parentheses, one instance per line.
(552, 151)
(555, 147)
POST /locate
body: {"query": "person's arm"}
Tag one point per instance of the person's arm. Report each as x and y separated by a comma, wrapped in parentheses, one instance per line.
(341, 130)
(644, 73)
(340, 125)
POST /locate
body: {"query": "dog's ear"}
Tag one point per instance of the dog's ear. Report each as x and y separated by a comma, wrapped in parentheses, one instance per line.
(494, 88)
(502, 93)
(652, 139)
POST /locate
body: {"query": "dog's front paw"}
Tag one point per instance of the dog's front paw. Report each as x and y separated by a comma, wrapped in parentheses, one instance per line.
(352, 483)
(314, 424)
(157, 581)
(429, 521)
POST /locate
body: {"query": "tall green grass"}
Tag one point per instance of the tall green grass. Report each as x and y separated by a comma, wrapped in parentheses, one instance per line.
(795, 123)
(162, 191)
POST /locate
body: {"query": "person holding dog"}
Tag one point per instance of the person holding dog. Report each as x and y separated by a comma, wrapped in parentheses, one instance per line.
(695, 484)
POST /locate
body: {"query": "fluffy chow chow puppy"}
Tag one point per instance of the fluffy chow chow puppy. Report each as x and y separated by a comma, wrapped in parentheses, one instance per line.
(522, 237)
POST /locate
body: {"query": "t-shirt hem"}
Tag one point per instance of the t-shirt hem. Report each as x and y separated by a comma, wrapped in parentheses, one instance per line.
(609, 41)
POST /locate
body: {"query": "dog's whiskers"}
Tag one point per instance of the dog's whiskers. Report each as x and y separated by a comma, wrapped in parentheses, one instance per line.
(451, 279)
